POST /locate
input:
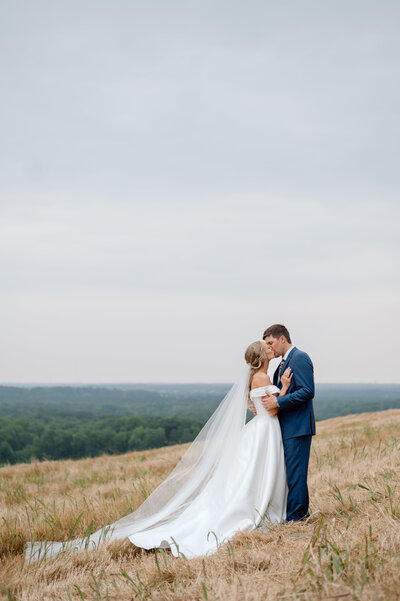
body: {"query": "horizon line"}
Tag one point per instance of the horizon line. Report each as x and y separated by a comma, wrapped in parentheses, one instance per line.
(163, 383)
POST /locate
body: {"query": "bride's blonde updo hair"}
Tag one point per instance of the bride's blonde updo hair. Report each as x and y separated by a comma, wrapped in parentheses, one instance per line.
(255, 356)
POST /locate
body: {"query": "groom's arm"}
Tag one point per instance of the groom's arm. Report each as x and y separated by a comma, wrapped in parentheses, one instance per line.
(303, 373)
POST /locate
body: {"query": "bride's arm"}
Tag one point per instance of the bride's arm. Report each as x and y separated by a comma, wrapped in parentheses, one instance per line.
(271, 402)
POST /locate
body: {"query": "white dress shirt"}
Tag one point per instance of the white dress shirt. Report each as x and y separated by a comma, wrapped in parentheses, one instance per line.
(286, 355)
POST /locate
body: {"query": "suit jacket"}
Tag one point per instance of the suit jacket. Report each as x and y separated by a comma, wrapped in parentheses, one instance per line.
(296, 413)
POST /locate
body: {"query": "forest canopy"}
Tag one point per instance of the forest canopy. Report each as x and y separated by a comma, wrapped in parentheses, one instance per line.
(23, 438)
(60, 422)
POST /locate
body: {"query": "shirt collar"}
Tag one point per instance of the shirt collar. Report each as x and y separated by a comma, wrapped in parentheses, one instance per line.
(286, 355)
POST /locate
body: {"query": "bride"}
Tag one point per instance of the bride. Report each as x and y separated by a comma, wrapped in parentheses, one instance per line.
(232, 478)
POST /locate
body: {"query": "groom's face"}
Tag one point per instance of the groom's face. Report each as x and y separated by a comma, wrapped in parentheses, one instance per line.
(276, 345)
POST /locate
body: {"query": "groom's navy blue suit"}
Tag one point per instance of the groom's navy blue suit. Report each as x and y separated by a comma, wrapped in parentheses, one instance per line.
(296, 417)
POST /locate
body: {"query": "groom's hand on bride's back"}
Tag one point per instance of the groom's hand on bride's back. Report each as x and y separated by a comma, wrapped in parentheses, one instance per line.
(270, 404)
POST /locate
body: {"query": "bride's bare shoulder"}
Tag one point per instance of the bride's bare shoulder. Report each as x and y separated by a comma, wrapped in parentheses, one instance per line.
(260, 379)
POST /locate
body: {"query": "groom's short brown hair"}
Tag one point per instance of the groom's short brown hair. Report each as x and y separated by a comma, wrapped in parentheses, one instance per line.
(276, 331)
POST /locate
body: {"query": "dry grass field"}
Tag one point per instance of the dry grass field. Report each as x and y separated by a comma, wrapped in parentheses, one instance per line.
(348, 549)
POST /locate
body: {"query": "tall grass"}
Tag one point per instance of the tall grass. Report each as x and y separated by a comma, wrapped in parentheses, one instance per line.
(349, 549)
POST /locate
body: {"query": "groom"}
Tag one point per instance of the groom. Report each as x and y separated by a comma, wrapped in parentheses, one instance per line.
(296, 416)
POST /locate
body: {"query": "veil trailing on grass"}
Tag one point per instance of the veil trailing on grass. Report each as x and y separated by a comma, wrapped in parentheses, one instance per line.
(211, 451)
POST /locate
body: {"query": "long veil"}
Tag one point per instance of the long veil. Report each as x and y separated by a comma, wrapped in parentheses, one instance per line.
(211, 450)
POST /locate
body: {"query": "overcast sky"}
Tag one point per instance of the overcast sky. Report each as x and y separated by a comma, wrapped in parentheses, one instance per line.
(176, 176)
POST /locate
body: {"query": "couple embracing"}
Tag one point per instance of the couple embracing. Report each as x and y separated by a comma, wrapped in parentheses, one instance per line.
(234, 476)
(294, 407)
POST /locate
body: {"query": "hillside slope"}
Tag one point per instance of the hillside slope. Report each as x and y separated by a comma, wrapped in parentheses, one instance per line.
(349, 548)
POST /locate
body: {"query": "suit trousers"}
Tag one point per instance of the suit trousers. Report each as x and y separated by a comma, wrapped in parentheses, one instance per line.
(297, 454)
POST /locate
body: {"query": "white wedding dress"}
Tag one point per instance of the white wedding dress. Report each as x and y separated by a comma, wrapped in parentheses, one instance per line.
(205, 501)
(252, 491)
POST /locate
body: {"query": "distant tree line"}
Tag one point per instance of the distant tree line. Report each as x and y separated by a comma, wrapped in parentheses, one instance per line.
(195, 401)
(87, 401)
(24, 438)
(60, 422)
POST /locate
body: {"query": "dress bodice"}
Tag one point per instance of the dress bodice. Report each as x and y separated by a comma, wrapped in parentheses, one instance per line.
(257, 393)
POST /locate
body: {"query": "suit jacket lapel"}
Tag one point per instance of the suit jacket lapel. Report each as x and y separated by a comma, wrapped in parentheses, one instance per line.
(285, 365)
